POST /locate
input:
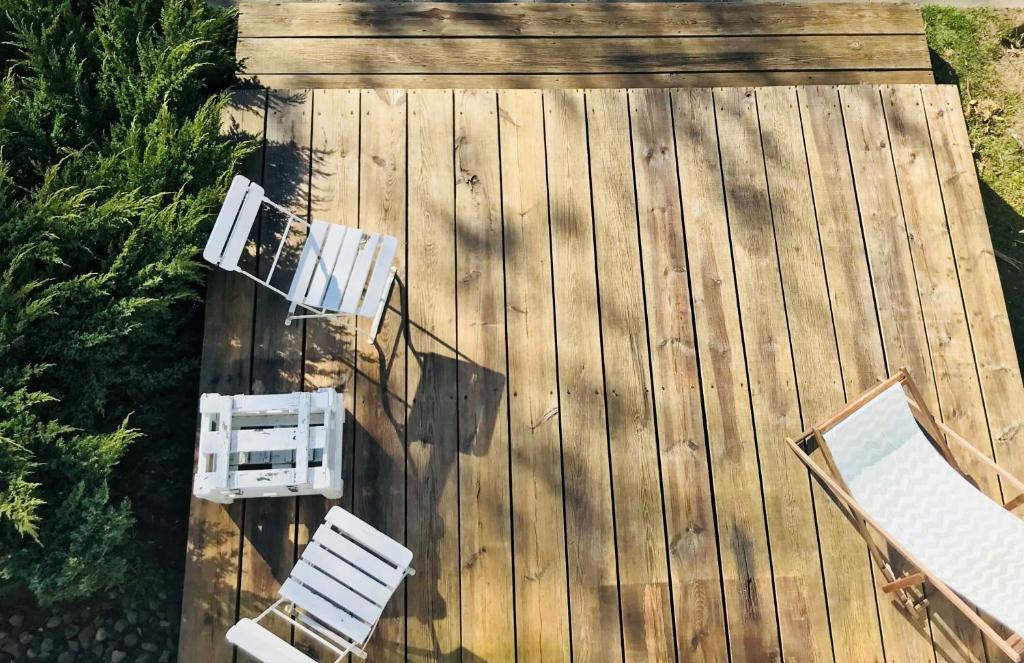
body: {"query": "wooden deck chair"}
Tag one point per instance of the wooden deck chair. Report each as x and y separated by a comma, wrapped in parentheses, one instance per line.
(342, 271)
(334, 595)
(890, 470)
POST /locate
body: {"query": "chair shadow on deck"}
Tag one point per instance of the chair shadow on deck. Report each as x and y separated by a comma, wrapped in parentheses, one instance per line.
(435, 424)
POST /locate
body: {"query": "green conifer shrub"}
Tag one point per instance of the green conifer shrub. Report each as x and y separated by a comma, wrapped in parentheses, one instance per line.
(111, 168)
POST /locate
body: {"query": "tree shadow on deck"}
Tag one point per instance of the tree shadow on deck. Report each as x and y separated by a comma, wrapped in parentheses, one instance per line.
(1006, 225)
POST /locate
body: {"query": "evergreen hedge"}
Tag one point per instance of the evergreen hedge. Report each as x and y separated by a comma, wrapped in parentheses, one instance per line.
(111, 166)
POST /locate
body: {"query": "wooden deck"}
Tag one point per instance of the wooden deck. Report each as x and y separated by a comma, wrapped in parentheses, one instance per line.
(613, 307)
(578, 45)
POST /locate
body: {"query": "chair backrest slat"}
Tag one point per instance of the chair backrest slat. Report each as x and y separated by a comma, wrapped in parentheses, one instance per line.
(341, 595)
(379, 279)
(375, 541)
(342, 270)
(234, 223)
(325, 611)
(361, 269)
(344, 571)
(387, 573)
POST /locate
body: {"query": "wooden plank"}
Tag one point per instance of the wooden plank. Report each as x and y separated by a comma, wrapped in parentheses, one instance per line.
(636, 474)
(358, 55)
(994, 352)
(853, 614)
(742, 534)
(590, 533)
(952, 358)
(379, 453)
(547, 81)
(433, 505)
(796, 566)
(896, 295)
(330, 347)
(209, 594)
(859, 344)
(892, 269)
(956, 377)
(268, 551)
(542, 608)
(484, 493)
(689, 511)
(644, 19)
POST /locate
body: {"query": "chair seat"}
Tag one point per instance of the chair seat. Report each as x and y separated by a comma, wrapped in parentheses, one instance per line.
(346, 575)
(958, 534)
(263, 645)
(343, 269)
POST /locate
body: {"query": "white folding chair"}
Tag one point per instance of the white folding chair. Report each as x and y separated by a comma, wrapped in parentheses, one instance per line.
(342, 271)
(335, 594)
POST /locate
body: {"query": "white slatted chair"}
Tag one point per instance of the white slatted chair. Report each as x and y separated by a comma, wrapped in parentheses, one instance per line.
(342, 271)
(335, 594)
(891, 470)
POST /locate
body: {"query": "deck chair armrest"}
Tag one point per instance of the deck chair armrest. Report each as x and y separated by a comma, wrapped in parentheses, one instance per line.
(983, 459)
(1015, 502)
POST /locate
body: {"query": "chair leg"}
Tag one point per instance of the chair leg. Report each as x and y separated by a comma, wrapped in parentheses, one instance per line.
(379, 315)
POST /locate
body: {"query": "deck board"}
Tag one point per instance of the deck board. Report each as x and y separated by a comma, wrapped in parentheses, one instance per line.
(636, 486)
(616, 303)
(329, 348)
(485, 508)
(747, 125)
(380, 380)
(856, 635)
(432, 437)
(675, 384)
(590, 530)
(742, 533)
(268, 552)
(542, 616)
(578, 45)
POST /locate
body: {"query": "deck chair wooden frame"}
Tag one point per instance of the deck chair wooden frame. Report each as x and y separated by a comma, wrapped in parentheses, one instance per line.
(940, 435)
(335, 594)
(341, 272)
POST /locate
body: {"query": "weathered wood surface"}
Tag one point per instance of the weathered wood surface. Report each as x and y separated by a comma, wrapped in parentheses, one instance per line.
(573, 45)
(640, 19)
(612, 306)
(551, 81)
(209, 598)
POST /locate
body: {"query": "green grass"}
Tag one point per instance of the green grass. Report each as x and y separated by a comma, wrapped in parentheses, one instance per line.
(969, 48)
